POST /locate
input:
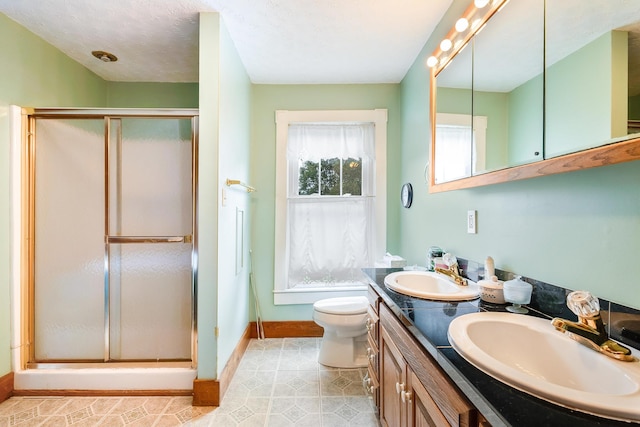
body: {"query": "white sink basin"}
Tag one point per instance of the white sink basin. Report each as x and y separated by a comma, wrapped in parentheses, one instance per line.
(529, 354)
(429, 285)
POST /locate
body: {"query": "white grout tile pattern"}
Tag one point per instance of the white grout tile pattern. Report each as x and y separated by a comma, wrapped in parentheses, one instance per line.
(279, 383)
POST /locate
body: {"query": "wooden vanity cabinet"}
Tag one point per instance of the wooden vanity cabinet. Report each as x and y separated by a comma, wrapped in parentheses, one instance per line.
(372, 382)
(413, 389)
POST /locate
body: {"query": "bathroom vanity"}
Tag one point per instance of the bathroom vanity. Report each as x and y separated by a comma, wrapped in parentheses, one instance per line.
(416, 378)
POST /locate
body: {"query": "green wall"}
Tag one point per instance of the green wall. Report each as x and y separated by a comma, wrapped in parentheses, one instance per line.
(152, 95)
(233, 215)
(266, 99)
(225, 107)
(495, 107)
(33, 73)
(526, 122)
(208, 195)
(454, 101)
(581, 92)
(579, 230)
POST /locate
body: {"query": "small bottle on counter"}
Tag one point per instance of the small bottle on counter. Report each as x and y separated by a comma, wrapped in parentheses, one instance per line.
(433, 253)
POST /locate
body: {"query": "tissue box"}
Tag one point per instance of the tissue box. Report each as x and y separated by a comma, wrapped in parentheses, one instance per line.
(394, 261)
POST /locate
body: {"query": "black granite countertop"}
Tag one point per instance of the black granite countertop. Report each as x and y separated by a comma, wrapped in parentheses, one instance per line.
(501, 404)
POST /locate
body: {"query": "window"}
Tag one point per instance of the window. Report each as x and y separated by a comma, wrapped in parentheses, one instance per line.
(330, 202)
(460, 152)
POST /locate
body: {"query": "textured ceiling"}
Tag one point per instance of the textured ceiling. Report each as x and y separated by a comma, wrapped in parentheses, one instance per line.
(279, 41)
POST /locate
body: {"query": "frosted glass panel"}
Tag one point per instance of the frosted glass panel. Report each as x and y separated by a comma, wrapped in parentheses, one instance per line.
(69, 242)
(149, 286)
(150, 185)
(151, 301)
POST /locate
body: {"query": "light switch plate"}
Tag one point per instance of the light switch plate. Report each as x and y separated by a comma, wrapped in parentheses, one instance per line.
(471, 222)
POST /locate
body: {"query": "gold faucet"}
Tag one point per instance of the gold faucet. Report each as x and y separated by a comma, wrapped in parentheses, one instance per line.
(453, 272)
(589, 330)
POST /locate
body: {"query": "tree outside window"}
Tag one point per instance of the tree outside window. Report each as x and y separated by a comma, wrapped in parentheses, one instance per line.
(332, 177)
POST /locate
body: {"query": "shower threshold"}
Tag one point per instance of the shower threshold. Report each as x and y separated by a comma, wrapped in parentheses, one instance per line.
(125, 377)
(110, 365)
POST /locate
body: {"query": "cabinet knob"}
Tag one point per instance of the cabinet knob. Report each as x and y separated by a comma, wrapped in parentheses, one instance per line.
(366, 383)
(370, 354)
(406, 396)
(400, 388)
(368, 324)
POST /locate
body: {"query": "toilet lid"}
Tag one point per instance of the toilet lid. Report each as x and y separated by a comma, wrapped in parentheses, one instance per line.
(342, 305)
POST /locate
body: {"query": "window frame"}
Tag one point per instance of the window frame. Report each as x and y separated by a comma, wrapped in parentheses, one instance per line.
(282, 294)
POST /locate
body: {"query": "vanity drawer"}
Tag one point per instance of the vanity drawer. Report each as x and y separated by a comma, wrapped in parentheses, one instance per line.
(372, 386)
(372, 323)
(373, 298)
(372, 357)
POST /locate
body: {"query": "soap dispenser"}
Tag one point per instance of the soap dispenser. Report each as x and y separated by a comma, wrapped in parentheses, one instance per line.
(491, 289)
(518, 292)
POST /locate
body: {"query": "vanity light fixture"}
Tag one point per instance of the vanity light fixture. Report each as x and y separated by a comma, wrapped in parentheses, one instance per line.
(476, 24)
(104, 56)
(474, 18)
(462, 24)
(445, 45)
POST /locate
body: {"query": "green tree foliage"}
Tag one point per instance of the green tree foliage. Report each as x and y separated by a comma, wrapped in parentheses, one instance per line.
(308, 180)
(352, 177)
(327, 181)
(330, 177)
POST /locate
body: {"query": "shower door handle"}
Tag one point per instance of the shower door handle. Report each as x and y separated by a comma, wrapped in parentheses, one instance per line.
(149, 239)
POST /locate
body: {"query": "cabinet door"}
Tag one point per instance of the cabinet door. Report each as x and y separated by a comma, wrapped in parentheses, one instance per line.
(392, 383)
(442, 391)
(422, 410)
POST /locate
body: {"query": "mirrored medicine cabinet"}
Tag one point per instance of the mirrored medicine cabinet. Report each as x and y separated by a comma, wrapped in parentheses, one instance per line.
(529, 88)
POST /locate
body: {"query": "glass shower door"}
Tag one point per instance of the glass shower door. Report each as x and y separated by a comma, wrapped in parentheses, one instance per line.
(113, 276)
(68, 250)
(149, 229)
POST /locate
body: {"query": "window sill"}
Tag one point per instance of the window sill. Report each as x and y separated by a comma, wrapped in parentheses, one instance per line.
(311, 295)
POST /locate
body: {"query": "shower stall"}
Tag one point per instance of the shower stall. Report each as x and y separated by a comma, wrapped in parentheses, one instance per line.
(110, 252)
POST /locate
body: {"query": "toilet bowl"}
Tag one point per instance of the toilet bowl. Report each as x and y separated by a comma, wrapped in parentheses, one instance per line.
(344, 341)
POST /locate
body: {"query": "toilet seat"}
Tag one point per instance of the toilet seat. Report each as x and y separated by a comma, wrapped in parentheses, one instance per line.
(342, 305)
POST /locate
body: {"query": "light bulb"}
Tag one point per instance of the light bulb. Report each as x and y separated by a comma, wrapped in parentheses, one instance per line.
(480, 3)
(445, 45)
(432, 61)
(462, 24)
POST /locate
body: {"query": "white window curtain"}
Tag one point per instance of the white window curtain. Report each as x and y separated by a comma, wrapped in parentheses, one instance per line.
(330, 238)
(460, 149)
(453, 152)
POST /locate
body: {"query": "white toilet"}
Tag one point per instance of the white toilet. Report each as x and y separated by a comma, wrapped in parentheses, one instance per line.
(344, 342)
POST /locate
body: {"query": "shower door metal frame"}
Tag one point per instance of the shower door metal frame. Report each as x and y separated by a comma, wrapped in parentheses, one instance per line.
(29, 193)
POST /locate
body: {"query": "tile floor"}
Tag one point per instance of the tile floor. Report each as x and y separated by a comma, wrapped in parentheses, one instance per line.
(278, 383)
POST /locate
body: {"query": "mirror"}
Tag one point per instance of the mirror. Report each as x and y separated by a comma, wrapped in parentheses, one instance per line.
(504, 122)
(592, 119)
(508, 86)
(591, 82)
(454, 118)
